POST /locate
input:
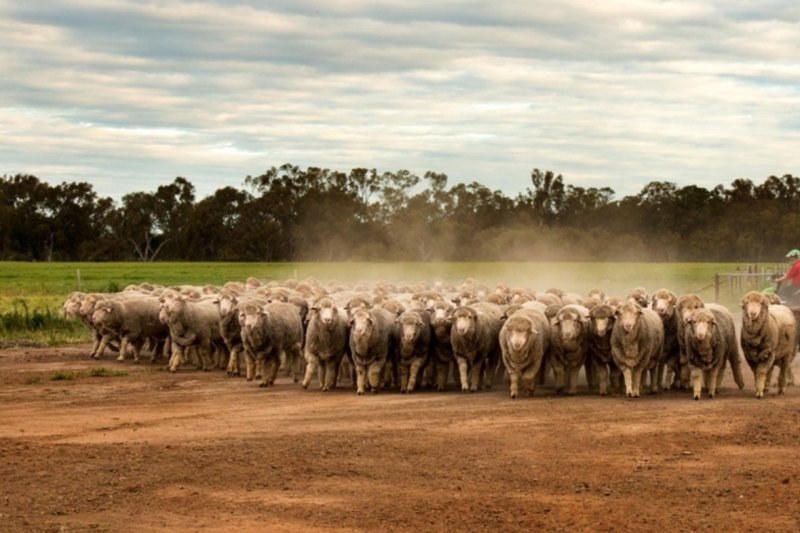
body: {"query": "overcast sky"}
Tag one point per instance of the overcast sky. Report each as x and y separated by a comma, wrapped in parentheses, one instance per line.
(129, 94)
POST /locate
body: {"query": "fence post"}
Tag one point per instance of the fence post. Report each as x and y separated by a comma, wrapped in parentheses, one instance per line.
(716, 288)
(78, 277)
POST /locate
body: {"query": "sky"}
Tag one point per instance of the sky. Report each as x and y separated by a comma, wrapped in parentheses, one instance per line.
(129, 94)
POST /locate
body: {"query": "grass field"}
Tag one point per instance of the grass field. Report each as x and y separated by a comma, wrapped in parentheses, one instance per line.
(31, 294)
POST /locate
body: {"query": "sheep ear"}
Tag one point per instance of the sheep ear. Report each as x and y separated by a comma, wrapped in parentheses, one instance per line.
(743, 302)
(216, 301)
(351, 321)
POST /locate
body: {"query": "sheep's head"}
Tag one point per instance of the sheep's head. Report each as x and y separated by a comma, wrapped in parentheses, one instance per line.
(410, 326)
(250, 314)
(464, 320)
(326, 310)
(702, 323)
(664, 302)
(602, 319)
(226, 303)
(754, 305)
(441, 313)
(628, 315)
(361, 323)
(520, 329)
(570, 322)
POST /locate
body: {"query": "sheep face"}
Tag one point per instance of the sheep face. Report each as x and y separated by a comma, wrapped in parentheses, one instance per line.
(754, 304)
(464, 321)
(410, 326)
(327, 311)
(702, 324)
(664, 302)
(250, 315)
(361, 323)
(520, 331)
(226, 304)
(440, 313)
(101, 314)
(570, 323)
(602, 319)
(629, 314)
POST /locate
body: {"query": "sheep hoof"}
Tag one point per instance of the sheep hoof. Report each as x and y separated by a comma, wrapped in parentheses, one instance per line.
(439, 389)
(121, 358)
(696, 397)
(360, 393)
(513, 395)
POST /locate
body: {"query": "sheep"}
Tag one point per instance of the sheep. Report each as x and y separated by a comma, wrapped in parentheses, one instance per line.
(572, 298)
(548, 299)
(598, 294)
(86, 310)
(442, 349)
(685, 306)
(413, 346)
(710, 339)
(524, 340)
(191, 323)
(602, 319)
(270, 331)
(133, 321)
(768, 339)
(569, 346)
(230, 329)
(326, 342)
(476, 349)
(773, 298)
(636, 338)
(663, 303)
(372, 339)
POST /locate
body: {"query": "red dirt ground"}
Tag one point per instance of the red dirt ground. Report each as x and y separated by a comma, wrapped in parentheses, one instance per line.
(153, 451)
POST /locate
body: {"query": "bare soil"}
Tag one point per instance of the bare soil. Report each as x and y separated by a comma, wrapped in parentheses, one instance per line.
(154, 451)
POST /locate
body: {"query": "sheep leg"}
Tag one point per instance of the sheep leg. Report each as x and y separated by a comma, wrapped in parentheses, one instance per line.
(572, 380)
(123, 349)
(475, 377)
(760, 379)
(416, 366)
(783, 374)
(768, 382)
(233, 362)
(655, 381)
(271, 369)
(714, 380)
(404, 377)
(529, 376)
(627, 374)
(97, 340)
(250, 364)
(137, 349)
(361, 378)
(558, 370)
(102, 347)
(312, 361)
(462, 372)
(374, 374)
(298, 366)
(514, 377)
(176, 357)
(696, 375)
(638, 378)
(602, 378)
(331, 368)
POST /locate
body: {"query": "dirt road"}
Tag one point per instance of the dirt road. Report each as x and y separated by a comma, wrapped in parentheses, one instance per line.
(152, 451)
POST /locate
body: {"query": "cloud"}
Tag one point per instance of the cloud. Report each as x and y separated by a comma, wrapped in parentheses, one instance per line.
(129, 94)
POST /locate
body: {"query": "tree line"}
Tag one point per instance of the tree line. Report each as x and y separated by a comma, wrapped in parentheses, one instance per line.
(315, 214)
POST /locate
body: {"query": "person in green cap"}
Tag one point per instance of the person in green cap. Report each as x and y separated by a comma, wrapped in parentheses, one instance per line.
(791, 291)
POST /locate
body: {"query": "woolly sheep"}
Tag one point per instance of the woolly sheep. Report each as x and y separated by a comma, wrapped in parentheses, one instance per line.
(524, 341)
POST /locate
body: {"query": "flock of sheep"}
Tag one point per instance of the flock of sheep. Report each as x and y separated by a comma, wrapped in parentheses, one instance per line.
(408, 336)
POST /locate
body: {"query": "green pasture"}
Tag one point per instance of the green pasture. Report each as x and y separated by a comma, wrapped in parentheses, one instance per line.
(31, 294)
